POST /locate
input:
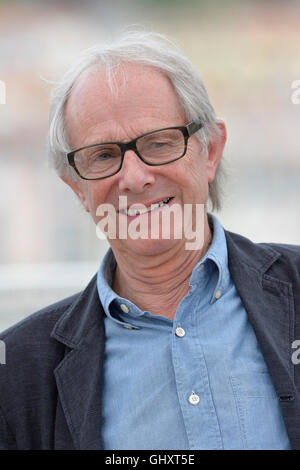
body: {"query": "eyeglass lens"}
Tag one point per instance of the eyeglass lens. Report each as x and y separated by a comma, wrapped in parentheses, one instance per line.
(155, 148)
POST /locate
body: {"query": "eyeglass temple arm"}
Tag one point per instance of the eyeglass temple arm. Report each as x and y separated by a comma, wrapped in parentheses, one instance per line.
(194, 127)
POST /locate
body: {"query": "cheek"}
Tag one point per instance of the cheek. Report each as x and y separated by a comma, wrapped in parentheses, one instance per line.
(196, 168)
(94, 196)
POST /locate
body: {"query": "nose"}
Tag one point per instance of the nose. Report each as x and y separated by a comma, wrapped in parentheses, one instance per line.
(135, 175)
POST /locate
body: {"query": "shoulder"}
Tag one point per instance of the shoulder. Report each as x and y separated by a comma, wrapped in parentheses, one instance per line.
(279, 259)
(27, 381)
(291, 252)
(287, 265)
(35, 338)
(38, 325)
(246, 242)
(29, 349)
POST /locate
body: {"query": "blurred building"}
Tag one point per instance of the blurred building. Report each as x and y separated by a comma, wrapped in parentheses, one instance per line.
(248, 54)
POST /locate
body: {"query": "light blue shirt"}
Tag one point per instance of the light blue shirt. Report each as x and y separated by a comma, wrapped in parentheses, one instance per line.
(204, 386)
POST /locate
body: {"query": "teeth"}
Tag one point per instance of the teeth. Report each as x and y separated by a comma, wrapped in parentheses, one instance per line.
(134, 212)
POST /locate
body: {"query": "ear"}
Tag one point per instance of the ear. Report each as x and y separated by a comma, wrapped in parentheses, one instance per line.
(77, 187)
(215, 150)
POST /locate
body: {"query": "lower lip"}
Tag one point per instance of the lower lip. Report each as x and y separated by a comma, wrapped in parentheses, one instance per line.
(159, 209)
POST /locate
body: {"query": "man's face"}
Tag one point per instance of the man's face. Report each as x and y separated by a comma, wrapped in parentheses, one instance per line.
(147, 102)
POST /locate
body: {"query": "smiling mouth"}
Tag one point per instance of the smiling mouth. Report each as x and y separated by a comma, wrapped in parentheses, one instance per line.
(131, 212)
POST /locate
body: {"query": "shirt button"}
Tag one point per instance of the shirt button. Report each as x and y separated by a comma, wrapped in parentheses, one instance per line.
(179, 332)
(124, 308)
(194, 399)
(200, 267)
(218, 294)
(129, 327)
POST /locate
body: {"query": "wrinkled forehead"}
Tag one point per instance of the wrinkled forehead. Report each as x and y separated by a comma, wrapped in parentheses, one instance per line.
(121, 85)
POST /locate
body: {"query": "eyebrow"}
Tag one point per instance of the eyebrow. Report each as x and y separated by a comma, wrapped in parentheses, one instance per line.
(100, 140)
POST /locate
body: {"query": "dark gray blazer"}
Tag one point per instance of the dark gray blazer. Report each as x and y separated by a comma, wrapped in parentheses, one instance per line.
(51, 383)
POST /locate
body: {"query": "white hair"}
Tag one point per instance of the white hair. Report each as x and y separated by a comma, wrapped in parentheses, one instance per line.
(145, 48)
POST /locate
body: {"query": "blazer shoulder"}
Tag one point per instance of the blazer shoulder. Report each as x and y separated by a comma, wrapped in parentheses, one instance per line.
(28, 390)
(282, 260)
(31, 356)
(289, 251)
(37, 326)
(288, 261)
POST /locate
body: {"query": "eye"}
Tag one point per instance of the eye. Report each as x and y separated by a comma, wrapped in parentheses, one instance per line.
(102, 156)
(161, 143)
(158, 145)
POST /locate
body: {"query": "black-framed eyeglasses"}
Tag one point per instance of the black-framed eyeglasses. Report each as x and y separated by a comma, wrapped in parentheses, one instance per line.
(99, 161)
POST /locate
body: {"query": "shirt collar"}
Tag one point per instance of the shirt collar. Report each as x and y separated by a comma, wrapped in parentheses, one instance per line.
(105, 280)
(217, 253)
(111, 302)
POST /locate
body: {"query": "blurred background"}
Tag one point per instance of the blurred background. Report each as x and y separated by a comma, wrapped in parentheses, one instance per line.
(248, 55)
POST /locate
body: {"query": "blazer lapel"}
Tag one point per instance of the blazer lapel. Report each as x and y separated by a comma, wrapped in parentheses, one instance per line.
(269, 304)
(79, 374)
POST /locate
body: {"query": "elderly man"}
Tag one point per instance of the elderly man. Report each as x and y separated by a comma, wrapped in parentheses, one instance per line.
(182, 341)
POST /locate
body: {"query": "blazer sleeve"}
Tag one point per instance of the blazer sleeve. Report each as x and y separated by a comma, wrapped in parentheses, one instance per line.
(7, 441)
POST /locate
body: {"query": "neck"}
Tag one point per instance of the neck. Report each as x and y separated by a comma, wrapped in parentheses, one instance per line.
(157, 283)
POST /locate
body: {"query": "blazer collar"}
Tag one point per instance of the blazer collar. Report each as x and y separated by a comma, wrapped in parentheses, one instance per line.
(241, 250)
(79, 375)
(269, 303)
(266, 299)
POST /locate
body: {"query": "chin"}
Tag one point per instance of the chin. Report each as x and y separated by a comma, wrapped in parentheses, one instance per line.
(146, 247)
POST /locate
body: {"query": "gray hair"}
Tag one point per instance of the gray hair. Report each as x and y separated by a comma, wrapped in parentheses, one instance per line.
(145, 48)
